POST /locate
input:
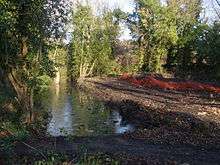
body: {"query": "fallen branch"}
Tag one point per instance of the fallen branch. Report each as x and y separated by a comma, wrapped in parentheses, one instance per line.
(29, 146)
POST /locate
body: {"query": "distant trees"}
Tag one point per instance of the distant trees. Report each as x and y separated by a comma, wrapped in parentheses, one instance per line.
(93, 41)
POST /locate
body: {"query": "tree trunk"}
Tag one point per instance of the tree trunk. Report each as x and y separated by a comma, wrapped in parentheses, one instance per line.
(85, 70)
(23, 93)
(57, 78)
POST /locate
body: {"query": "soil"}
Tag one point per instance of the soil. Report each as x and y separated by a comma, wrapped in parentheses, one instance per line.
(129, 151)
(168, 117)
(203, 105)
(173, 127)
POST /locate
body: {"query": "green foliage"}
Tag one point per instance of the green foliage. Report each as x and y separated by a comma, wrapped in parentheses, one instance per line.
(156, 32)
(208, 57)
(164, 32)
(94, 39)
(27, 28)
(173, 37)
(18, 134)
(58, 54)
(98, 159)
(57, 158)
(186, 16)
(27, 31)
(52, 158)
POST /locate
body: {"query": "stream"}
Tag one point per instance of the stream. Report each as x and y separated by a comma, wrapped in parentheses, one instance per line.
(77, 113)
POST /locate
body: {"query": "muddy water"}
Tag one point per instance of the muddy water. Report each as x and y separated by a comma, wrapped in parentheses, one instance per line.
(77, 113)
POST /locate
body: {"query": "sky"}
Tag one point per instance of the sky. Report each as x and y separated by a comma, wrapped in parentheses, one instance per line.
(128, 6)
(125, 5)
(208, 6)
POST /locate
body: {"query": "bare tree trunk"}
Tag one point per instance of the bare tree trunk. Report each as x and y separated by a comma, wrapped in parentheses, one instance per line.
(85, 71)
(57, 78)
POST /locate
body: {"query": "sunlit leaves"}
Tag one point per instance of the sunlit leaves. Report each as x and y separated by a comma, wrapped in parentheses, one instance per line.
(161, 30)
(94, 39)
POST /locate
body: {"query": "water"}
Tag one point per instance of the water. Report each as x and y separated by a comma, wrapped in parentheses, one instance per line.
(77, 113)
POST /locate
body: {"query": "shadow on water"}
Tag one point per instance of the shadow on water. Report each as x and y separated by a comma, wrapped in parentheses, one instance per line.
(77, 113)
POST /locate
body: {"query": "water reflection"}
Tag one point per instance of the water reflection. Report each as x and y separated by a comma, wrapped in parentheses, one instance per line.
(77, 113)
(61, 118)
(121, 126)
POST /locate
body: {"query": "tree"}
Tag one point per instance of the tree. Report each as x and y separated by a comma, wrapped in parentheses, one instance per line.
(93, 41)
(186, 17)
(208, 57)
(154, 32)
(27, 28)
(165, 33)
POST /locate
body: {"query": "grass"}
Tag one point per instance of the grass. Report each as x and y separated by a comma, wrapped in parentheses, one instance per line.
(53, 158)
(98, 159)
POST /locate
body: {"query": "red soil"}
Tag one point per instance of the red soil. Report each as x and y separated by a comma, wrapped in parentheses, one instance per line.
(150, 81)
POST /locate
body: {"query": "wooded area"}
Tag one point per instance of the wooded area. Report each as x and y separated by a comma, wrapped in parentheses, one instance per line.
(41, 39)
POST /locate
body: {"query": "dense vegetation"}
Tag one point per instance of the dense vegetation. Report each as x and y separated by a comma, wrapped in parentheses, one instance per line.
(173, 37)
(93, 42)
(28, 30)
(166, 38)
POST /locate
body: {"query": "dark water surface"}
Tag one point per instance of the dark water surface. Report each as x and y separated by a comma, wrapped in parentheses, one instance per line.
(76, 113)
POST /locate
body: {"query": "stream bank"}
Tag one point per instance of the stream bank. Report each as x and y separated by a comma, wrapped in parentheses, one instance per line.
(170, 129)
(127, 151)
(166, 117)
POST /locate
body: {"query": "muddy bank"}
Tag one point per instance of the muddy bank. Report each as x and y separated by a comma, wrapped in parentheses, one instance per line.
(128, 151)
(202, 105)
(163, 116)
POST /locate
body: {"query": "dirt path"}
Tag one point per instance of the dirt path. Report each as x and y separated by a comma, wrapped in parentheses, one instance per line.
(130, 151)
(203, 105)
(174, 119)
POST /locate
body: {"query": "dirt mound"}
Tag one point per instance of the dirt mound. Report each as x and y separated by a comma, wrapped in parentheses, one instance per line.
(151, 81)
